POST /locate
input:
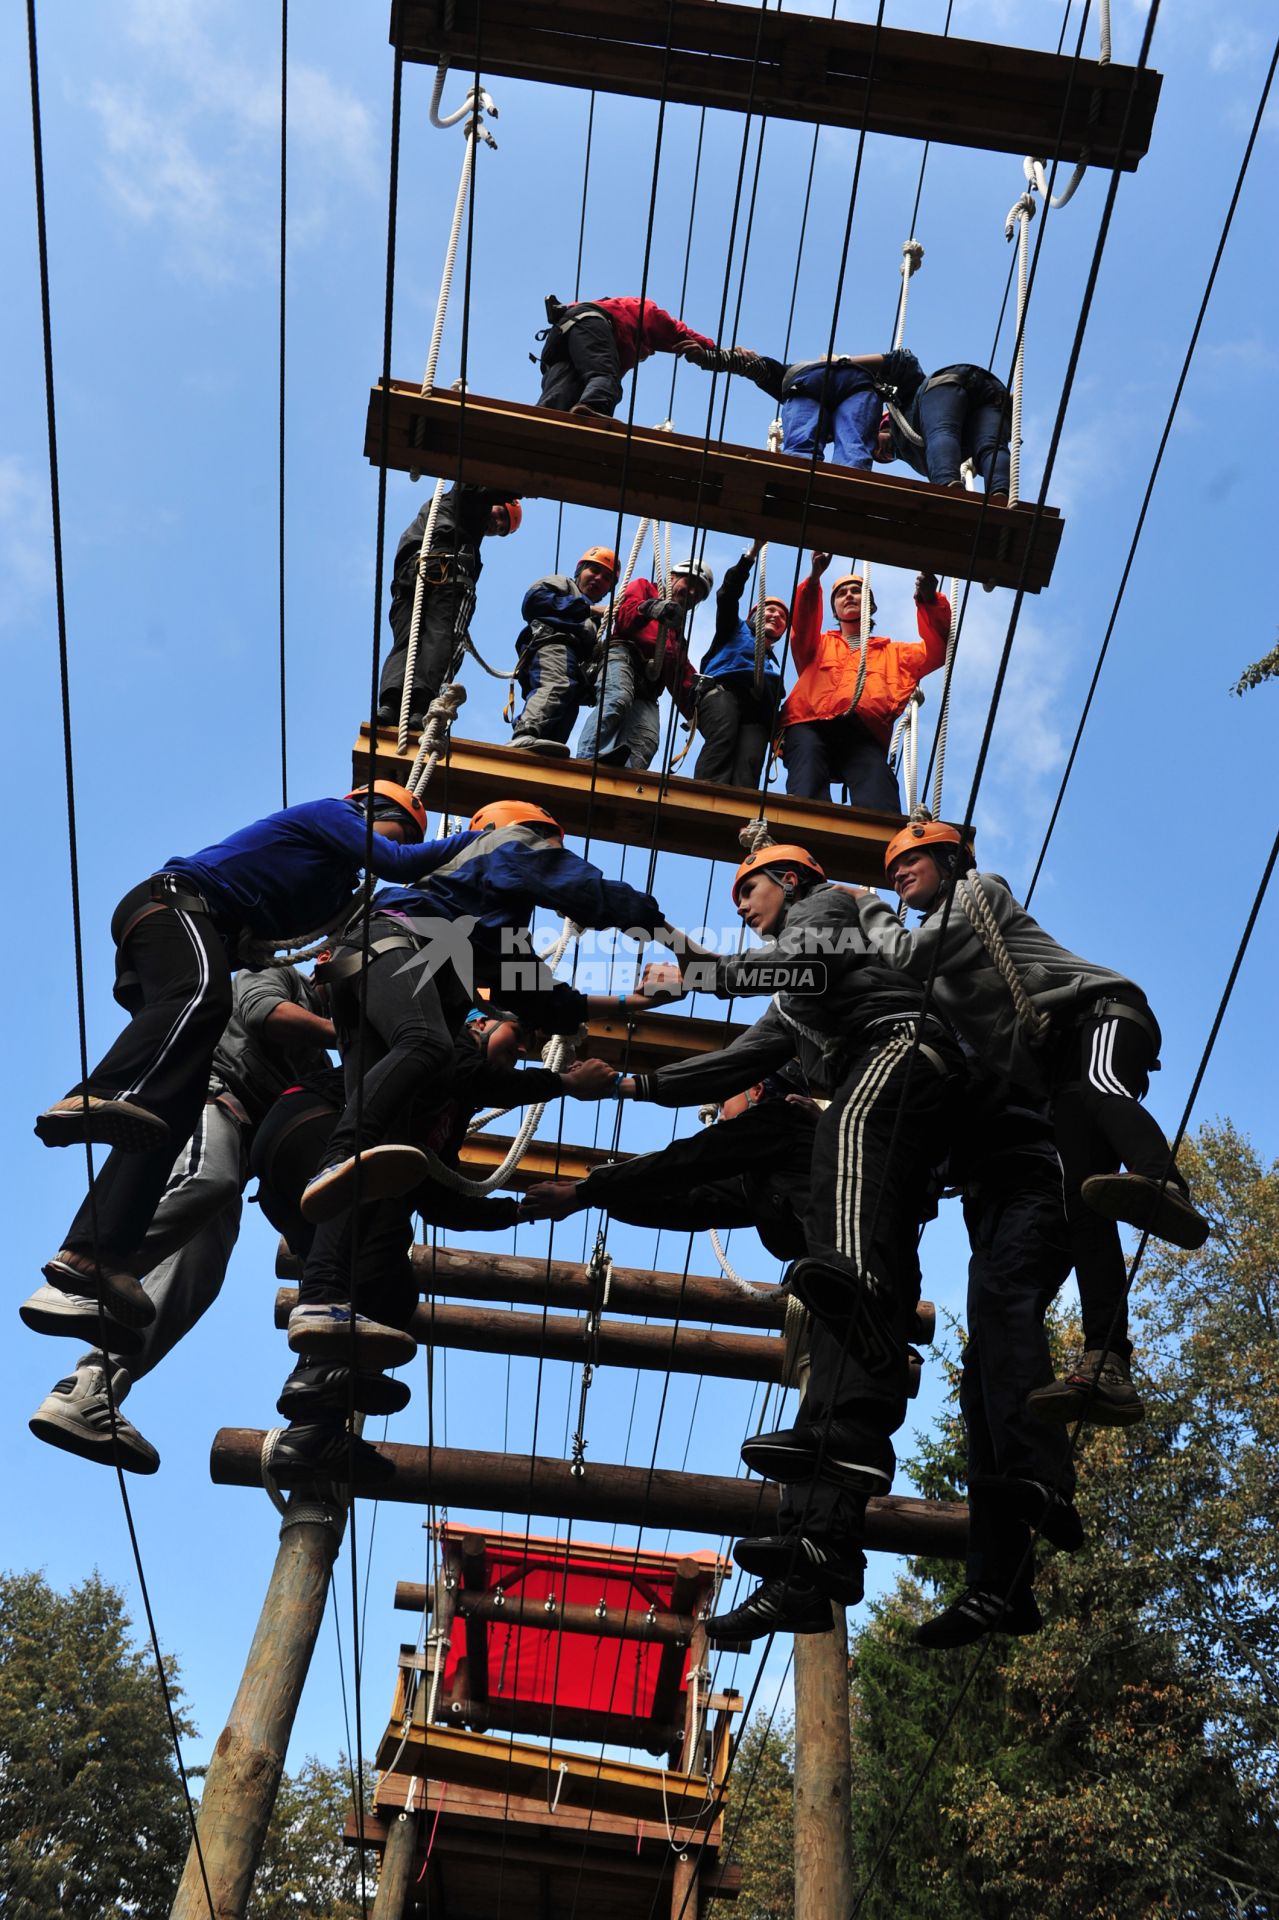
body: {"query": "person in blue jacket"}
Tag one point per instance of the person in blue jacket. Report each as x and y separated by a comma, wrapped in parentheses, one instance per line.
(835, 398)
(556, 649)
(178, 936)
(737, 719)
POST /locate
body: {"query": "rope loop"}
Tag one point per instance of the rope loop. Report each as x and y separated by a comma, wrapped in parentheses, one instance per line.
(440, 715)
(754, 835)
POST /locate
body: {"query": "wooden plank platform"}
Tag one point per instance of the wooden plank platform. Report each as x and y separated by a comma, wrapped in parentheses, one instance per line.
(542, 1160)
(798, 67)
(627, 1496)
(627, 808)
(533, 452)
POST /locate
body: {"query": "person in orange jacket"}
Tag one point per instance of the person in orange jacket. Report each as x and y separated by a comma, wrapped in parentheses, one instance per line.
(831, 730)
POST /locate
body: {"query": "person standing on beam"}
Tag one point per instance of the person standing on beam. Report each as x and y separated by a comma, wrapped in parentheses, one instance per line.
(959, 413)
(556, 651)
(590, 344)
(647, 650)
(736, 716)
(836, 399)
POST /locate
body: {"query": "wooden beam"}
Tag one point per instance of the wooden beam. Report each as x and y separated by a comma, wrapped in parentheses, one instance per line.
(534, 452)
(795, 66)
(642, 1042)
(633, 808)
(823, 1776)
(525, 1281)
(544, 1720)
(510, 1610)
(543, 1160)
(628, 1496)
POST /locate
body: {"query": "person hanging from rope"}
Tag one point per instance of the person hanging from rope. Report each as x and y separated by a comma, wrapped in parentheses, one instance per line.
(736, 713)
(1020, 1472)
(278, 1033)
(589, 344)
(466, 516)
(1063, 1029)
(958, 413)
(556, 651)
(888, 1070)
(178, 936)
(647, 650)
(366, 1253)
(753, 1173)
(831, 400)
(837, 720)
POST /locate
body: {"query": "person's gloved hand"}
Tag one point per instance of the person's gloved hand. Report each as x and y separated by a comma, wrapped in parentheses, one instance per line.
(925, 589)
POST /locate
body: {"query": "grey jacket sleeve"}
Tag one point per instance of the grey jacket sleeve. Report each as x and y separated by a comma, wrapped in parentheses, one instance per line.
(914, 952)
(714, 1076)
(259, 993)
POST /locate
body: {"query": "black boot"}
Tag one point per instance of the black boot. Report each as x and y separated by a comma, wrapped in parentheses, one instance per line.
(326, 1451)
(320, 1387)
(835, 1568)
(783, 1605)
(977, 1612)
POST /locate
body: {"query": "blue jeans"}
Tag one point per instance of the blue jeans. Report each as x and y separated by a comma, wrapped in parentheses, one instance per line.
(958, 425)
(832, 403)
(626, 722)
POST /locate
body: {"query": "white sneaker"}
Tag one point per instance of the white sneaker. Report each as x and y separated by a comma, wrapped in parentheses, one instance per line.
(76, 1315)
(335, 1332)
(76, 1416)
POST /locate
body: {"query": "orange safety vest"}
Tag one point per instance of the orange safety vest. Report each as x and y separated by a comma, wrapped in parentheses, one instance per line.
(828, 666)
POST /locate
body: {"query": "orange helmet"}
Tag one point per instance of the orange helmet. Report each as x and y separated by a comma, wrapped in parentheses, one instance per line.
(775, 857)
(513, 813)
(602, 557)
(846, 579)
(514, 513)
(771, 600)
(387, 790)
(922, 833)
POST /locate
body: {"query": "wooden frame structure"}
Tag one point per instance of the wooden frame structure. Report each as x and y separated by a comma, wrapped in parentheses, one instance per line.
(796, 66)
(533, 452)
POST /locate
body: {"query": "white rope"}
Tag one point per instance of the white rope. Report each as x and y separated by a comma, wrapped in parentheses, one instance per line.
(754, 835)
(440, 716)
(477, 102)
(415, 624)
(943, 717)
(1020, 216)
(863, 636)
(292, 951)
(906, 740)
(708, 1115)
(912, 260)
(972, 898)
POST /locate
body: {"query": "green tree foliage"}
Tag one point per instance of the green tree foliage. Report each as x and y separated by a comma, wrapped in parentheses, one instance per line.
(1122, 1764)
(92, 1819)
(308, 1872)
(1267, 668)
(759, 1820)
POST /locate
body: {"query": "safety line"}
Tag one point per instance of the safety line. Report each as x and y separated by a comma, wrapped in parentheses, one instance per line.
(284, 203)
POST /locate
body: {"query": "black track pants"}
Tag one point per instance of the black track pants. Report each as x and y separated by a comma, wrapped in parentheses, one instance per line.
(580, 362)
(180, 998)
(1100, 1074)
(403, 1051)
(736, 724)
(447, 606)
(363, 1256)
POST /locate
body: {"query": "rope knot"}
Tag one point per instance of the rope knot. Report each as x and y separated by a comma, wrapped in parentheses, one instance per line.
(912, 257)
(754, 835)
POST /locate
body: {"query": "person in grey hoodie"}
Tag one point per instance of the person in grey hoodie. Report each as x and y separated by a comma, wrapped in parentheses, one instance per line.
(1062, 1028)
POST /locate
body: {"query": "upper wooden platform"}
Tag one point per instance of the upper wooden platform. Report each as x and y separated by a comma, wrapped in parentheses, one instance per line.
(797, 67)
(643, 809)
(530, 451)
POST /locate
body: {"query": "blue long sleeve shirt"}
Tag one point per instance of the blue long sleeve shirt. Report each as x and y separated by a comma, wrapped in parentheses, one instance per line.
(296, 870)
(556, 609)
(733, 648)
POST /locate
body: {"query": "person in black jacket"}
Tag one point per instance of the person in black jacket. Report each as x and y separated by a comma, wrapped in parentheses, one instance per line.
(737, 717)
(466, 515)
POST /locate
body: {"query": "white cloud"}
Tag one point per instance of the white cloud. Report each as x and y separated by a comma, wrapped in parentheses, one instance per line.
(191, 140)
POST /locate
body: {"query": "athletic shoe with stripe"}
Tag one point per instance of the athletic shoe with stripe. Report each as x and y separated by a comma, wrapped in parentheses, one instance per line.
(792, 1453)
(840, 1295)
(786, 1605)
(105, 1123)
(1053, 1514)
(1134, 1201)
(1099, 1389)
(331, 1332)
(835, 1569)
(76, 1416)
(324, 1450)
(329, 1387)
(77, 1315)
(978, 1612)
(123, 1294)
(385, 1173)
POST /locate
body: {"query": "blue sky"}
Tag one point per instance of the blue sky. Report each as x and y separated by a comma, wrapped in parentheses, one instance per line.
(161, 144)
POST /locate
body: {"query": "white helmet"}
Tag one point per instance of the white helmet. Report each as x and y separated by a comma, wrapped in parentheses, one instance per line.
(697, 570)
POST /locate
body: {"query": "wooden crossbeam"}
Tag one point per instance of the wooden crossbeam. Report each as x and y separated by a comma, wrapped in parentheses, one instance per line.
(644, 809)
(661, 1629)
(629, 1496)
(797, 67)
(532, 451)
(643, 1041)
(543, 1160)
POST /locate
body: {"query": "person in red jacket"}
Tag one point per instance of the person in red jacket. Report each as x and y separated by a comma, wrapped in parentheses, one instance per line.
(647, 650)
(832, 728)
(590, 344)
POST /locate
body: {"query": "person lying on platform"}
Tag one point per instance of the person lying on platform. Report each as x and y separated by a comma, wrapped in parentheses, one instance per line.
(1074, 1033)
(590, 344)
(837, 400)
(466, 516)
(837, 721)
(647, 650)
(178, 936)
(752, 1174)
(958, 413)
(1020, 1470)
(736, 717)
(278, 1032)
(888, 1070)
(556, 651)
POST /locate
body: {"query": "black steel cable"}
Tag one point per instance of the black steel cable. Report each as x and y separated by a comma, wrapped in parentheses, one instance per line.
(284, 203)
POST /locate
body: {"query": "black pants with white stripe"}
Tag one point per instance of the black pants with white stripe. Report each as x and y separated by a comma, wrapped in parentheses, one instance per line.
(1100, 1072)
(870, 1190)
(180, 999)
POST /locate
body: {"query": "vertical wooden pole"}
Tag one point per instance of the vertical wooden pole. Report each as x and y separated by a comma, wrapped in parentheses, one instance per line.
(823, 1775)
(399, 1865)
(244, 1774)
(684, 1886)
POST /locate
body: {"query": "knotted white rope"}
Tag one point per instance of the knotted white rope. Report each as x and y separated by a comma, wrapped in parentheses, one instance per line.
(912, 260)
(415, 623)
(981, 917)
(476, 104)
(906, 739)
(754, 835)
(440, 715)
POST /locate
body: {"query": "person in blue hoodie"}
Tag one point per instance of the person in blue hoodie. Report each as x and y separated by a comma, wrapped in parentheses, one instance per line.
(737, 718)
(178, 936)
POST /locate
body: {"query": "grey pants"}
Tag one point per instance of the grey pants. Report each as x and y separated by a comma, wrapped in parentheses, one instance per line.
(188, 1246)
(626, 722)
(556, 688)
